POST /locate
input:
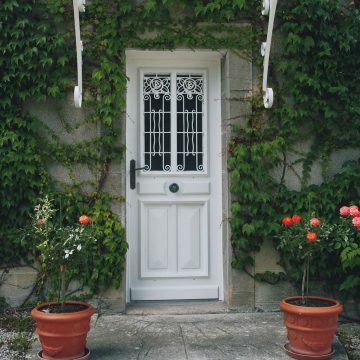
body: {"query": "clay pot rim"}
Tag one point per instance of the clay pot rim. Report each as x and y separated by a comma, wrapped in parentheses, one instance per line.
(335, 308)
(37, 314)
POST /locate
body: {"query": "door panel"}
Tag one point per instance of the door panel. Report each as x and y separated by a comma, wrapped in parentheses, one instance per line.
(190, 238)
(174, 240)
(154, 240)
(174, 135)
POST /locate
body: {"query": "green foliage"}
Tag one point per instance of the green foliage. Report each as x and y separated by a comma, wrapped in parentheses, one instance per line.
(320, 45)
(33, 53)
(104, 261)
(31, 68)
(16, 322)
(107, 262)
(270, 277)
(317, 66)
(3, 305)
(22, 177)
(39, 61)
(254, 152)
(20, 343)
(317, 102)
(60, 246)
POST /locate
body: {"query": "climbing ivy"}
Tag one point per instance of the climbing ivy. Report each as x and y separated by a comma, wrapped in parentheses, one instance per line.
(29, 48)
(317, 99)
(39, 62)
(316, 113)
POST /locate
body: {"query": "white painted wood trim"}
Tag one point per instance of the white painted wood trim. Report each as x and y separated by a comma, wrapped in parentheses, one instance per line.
(178, 293)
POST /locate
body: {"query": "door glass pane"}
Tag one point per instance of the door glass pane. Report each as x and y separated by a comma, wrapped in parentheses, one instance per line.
(157, 122)
(189, 103)
(174, 122)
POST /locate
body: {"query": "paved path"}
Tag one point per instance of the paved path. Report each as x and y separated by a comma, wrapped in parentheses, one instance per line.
(250, 336)
(225, 336)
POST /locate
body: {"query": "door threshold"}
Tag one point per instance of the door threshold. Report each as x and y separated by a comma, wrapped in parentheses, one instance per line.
(185, 307)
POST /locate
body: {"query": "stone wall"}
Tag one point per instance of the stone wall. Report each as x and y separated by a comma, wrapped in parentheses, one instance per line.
(16, 284)
(59, 116)
(242, 292)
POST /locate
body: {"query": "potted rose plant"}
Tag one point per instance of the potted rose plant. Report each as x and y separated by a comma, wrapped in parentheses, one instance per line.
(311, 321)
(62, 325)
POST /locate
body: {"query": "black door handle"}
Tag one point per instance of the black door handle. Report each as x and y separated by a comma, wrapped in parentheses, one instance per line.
(133, 170)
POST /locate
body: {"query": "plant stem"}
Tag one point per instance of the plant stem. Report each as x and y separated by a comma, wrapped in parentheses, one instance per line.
(303, 283)
(307, 276)
(62, 275)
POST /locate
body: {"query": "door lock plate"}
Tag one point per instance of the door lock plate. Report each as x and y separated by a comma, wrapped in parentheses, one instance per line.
(174, 188)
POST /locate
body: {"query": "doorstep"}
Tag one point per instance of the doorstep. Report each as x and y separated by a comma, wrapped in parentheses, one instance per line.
(176, 307)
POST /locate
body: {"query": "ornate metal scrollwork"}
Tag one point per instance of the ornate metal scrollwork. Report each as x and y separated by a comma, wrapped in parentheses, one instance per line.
(268, 8)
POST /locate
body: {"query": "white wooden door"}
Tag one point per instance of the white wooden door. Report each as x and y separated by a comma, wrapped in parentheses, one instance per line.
(174, 202)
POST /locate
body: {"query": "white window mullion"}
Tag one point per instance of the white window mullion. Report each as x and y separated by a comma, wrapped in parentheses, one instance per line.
(173, 123)
(142, 127)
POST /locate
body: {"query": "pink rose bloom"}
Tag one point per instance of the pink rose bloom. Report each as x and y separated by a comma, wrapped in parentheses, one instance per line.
(314, 222)
(344, 211)
(356, 213)
(353, 209)
(356, 221)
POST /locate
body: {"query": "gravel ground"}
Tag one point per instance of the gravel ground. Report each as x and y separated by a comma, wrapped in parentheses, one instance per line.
(349, 335)
(6, 337)
(16, 334)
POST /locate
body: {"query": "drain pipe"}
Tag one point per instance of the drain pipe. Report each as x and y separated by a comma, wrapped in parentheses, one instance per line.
(79, 6)
(268, 9)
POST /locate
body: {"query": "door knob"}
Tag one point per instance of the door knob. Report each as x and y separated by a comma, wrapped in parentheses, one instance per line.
(174, 188)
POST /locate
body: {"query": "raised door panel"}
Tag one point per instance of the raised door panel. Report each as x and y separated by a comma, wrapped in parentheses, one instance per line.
(192, 237)
(156, 240)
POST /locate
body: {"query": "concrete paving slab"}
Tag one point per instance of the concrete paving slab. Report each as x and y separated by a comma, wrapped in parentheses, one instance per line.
(226, 336)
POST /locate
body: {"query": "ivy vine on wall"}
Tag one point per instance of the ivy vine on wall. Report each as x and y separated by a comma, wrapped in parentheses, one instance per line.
(316, 114)
(39, 62)
(317, 99)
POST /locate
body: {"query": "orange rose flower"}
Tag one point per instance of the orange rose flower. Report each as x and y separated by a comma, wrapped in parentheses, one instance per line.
(84, 219)
(287, 221)
(311, 236)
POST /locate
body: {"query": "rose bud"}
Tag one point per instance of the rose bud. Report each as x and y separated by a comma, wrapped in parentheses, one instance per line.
(41, 221)
(296, 218)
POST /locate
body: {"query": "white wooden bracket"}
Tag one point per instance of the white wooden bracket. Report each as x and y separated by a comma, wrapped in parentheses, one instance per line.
(268, 8)
(79, 6)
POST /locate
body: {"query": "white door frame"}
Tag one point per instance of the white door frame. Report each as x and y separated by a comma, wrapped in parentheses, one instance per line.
(133, 107)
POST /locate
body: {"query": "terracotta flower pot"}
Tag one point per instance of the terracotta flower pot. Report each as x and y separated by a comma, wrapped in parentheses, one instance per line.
(63, 335)
(310, 329)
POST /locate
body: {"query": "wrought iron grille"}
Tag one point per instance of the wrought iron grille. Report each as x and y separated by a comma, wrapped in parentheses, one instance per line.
(157, 122)
(189, 96)
(173, 115)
